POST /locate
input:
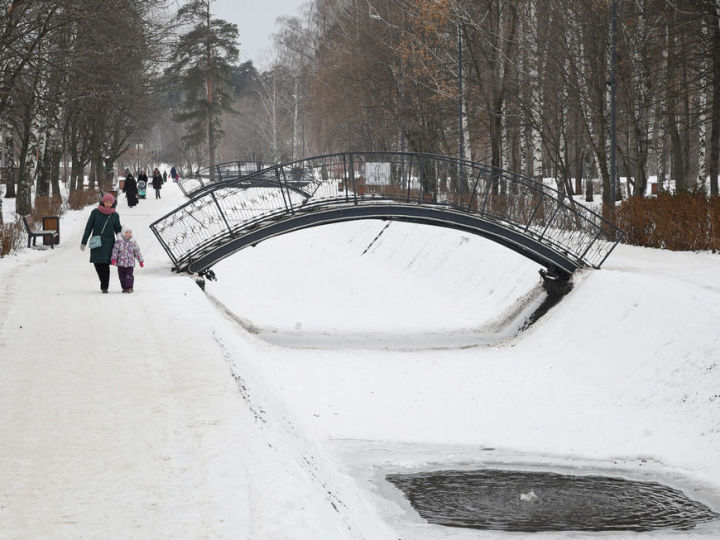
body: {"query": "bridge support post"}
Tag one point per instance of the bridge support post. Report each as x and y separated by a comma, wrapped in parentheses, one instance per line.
(556, 282)
(202, 276)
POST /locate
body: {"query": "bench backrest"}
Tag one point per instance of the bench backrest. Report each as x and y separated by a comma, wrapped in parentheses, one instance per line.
(27, 220)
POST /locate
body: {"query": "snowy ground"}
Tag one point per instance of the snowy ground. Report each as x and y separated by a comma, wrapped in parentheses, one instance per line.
(272, 406)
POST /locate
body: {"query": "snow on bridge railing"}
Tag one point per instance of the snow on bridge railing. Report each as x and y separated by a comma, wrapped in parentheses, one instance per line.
(228, 208)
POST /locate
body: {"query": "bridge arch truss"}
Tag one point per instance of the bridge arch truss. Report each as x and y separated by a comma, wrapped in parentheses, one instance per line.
(543, 224)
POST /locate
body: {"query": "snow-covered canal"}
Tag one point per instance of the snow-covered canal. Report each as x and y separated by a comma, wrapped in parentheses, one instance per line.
(405, 358)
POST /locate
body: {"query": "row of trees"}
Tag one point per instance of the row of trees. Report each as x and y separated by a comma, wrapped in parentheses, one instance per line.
(536, 80)
(77, 84)
(85, 86)
(520, 84)
(217, 106)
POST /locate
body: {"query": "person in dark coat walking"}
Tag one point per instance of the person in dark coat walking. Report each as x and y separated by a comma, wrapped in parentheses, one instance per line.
(130, 189)
(104, 221)
(157, 182)
(173, 174)
(164, 176)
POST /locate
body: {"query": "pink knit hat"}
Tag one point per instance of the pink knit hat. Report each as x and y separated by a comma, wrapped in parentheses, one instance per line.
(108, 197)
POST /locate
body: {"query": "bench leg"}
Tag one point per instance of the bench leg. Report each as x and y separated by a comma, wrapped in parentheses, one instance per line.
(32, 240)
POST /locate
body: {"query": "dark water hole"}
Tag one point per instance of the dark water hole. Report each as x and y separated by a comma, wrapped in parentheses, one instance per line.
(544, 501)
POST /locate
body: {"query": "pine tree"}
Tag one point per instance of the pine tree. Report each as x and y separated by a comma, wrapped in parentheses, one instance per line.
(203, 63)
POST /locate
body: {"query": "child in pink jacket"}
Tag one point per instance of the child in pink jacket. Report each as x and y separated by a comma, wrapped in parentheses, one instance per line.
(124, 253)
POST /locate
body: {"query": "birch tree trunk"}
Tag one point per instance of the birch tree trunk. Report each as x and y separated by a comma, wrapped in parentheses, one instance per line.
(671, 119)
(661, 139)
(467, 141)
(498, 99)
(714, 12)
(642, 97)
(705, 85)
(23, 204)
(536, 92)
(42, 183)
(564, 157)
(505, 139)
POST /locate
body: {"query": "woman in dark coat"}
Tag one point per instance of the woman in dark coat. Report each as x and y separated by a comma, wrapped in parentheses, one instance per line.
(157, 182)
(130, 189)
(105, 222)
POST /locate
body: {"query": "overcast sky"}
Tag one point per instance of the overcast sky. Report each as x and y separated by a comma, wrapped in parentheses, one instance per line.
(256, 23)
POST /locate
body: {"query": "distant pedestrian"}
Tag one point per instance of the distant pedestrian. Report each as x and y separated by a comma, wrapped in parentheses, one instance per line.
(173, 174)
(157, 182)
(164, 176)
(104, 222)
(130, 190)
(124, 253)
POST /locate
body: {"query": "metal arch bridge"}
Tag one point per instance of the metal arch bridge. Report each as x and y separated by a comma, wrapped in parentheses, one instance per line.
(206, 178)
(234, 212)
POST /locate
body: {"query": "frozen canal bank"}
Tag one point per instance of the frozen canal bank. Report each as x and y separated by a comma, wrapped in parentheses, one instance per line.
(621, 377)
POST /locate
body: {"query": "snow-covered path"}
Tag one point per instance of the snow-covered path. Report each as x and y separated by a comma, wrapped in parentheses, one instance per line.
(119, 414)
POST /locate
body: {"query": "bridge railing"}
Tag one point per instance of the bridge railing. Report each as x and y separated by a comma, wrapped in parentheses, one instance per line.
(221, 172)
(229, 208)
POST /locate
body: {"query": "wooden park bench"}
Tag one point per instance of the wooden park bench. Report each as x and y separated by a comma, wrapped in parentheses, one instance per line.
(50, 232)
